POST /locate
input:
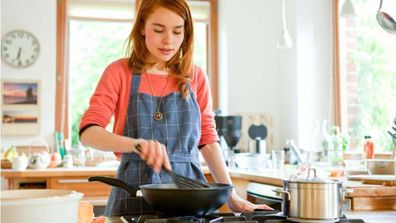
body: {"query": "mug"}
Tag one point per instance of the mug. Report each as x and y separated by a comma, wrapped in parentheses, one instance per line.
(19, 163)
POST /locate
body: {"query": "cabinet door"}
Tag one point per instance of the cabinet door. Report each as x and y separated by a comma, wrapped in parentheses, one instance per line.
(80, 184)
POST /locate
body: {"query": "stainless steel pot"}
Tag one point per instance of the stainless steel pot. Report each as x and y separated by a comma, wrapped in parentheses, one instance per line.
(312, 199)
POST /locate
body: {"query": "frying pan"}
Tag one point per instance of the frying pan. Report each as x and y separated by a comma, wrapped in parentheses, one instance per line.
(174, 201)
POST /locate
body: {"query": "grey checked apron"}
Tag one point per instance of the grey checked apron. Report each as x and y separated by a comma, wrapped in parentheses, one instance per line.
(179, 131)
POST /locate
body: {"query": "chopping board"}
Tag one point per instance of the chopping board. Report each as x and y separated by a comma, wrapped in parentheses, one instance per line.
(385, 180)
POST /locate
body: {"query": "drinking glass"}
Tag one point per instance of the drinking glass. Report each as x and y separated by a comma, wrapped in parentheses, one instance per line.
(278, 159)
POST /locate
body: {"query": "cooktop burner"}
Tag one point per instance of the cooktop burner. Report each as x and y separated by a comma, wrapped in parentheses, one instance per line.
(252, 217)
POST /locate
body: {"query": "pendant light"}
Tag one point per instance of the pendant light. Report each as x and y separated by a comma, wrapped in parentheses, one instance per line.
(285, 41)
(348, 9)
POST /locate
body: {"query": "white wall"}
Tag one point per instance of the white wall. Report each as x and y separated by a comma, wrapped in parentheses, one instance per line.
(39, 18)
(257, 77)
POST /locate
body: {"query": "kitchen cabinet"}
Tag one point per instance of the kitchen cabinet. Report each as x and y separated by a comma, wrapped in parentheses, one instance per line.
(81, 184)
(63, 178)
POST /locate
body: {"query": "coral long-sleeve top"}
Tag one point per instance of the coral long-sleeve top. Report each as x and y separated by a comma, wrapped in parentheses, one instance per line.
(112, 93)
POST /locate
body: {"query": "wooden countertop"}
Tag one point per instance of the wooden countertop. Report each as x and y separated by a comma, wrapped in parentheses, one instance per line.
(266, 176)
(58, 172)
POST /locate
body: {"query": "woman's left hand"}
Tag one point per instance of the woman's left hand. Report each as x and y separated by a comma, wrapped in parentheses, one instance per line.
(237, 204)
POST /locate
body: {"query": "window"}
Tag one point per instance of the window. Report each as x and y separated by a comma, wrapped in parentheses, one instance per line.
(96, 32)
(367, 75)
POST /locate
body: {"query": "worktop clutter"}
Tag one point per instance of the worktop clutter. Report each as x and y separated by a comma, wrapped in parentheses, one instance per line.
(39, 155)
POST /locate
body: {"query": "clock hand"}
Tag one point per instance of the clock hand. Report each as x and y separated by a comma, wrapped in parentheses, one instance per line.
(19, 53)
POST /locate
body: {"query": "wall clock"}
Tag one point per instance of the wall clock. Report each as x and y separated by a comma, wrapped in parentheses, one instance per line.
(19, 48)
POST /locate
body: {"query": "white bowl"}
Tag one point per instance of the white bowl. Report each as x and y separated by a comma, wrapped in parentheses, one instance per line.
(40, 205)
(380, 166)
(252, 161)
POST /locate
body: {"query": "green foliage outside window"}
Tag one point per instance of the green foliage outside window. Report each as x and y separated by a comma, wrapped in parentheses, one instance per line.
(93, 45)
(375, 57)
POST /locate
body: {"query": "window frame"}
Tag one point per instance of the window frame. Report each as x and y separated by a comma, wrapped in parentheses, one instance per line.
(337, 65)
(61, 97)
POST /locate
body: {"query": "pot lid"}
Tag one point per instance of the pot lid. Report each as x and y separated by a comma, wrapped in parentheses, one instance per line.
(311, 179)
(314, 180)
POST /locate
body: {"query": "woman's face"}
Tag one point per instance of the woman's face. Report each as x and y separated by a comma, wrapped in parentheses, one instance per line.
(164, 34)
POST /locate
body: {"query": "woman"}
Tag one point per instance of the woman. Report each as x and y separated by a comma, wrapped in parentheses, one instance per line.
(160, 101)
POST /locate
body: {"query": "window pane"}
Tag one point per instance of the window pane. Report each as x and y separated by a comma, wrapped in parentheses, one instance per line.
(93, 45)
(369, 76)
(200, 45)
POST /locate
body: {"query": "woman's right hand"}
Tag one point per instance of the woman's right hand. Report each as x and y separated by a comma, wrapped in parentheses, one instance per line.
(154, 153)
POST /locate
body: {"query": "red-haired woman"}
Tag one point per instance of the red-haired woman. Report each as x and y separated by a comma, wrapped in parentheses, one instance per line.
(163, 102)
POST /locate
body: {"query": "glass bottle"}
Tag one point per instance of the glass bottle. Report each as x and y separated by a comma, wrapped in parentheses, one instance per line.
(322, 145)
(368, 149)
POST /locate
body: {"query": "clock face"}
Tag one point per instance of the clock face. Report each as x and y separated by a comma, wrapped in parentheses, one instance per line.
(19, 48)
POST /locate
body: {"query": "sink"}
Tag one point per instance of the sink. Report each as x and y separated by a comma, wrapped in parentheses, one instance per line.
(251, 160)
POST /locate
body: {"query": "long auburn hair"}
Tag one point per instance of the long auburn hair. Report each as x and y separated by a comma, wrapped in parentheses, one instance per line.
(181, 64)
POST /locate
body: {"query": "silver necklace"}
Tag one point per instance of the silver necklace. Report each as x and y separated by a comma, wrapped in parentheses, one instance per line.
(158, 116)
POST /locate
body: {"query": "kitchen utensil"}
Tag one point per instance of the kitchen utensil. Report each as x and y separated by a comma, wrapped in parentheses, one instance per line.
(44, 206)
(40, 160)
(386, 21)
(258, 133)
(230, 128)
(291, 144)
(171, 200)
(393, 135)
(181, 181)
(301, 196)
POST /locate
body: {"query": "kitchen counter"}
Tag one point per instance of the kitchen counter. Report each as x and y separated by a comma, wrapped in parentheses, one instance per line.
(364, 196)
(58, 172)
(373, 216)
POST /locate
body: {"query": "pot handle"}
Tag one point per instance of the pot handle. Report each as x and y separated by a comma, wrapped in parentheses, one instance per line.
(309, 172)
(344, 191)
(280, 191)
(114, 182)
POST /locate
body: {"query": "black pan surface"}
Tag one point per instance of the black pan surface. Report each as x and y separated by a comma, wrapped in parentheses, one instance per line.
(170, 200)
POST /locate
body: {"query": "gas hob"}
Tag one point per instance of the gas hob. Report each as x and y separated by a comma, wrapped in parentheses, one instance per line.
(253, 217)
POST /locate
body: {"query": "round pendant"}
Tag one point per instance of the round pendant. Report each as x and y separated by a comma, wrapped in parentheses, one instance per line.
(158, 116)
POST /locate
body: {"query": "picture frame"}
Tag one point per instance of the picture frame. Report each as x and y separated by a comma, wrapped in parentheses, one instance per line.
(20, 110)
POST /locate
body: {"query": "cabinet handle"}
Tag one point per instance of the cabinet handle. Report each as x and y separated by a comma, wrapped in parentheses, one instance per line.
(72, 181)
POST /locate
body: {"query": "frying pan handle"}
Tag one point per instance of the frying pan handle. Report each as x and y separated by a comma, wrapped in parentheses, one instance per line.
(280, 191)
(114, 182)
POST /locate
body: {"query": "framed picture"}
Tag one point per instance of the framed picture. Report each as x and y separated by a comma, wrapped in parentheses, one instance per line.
(20, 110)
(20, 92)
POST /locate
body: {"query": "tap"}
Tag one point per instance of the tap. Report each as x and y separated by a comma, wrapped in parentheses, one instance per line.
(293, 147)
